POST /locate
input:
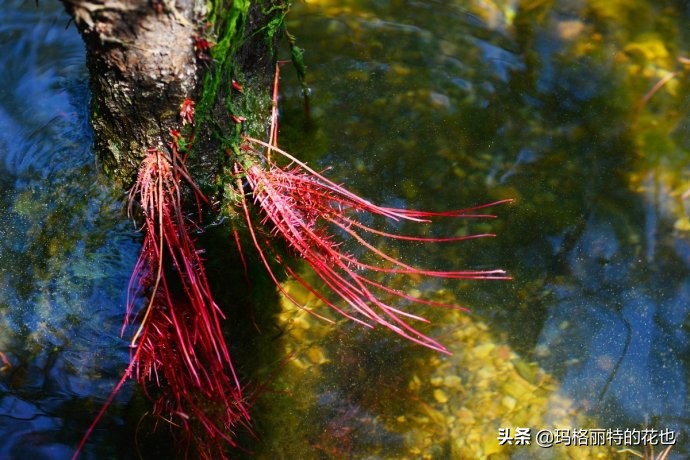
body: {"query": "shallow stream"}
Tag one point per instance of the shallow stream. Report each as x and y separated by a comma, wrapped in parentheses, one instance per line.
(576, 109)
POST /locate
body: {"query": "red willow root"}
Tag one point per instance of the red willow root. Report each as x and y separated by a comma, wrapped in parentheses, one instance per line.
(182, 345)
(306, 209)
(179, 347)
(179, 344)
(309, 212)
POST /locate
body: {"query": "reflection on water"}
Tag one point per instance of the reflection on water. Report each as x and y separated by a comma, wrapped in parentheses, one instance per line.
(428, 104)
(444, 104)
(65, 250)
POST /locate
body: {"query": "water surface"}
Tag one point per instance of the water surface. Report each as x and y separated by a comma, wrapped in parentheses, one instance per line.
(65, 251)
(442, 104)
(424, 104)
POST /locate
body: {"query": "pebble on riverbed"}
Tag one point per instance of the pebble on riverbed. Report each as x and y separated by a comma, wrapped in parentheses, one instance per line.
(452, 404)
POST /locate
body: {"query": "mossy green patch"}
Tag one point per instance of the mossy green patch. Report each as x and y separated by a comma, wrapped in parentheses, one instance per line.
(227, 20)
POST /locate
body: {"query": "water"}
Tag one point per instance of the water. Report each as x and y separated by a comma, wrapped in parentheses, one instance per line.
(444, 104)
(424, 104)
(66, 246)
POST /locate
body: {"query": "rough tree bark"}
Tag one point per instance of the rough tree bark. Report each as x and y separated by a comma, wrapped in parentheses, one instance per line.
(144, 61)
(145, 58)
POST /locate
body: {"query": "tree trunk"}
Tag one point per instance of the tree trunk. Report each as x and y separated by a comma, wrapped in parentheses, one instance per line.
(157, 69)
(146, 57)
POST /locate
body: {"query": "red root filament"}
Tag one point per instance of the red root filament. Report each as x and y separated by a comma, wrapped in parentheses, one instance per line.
(179, 354)
(307, 211)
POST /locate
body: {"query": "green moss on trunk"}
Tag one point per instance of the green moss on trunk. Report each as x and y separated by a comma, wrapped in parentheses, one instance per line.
(245, 35)
(144, 60)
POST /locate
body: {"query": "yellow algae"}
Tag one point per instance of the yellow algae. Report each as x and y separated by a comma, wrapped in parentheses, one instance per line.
(316, 355)
(452, 381)
(440, 396)
(649, 48)
(436, 381)
(466, 416)
(483, 350)
(682, 224)
(454, 404)
(570, 29)
(508, 402)
(415, 383)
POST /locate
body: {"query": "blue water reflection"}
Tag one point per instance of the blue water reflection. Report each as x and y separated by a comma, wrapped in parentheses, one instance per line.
(615, 332)
(66, 246)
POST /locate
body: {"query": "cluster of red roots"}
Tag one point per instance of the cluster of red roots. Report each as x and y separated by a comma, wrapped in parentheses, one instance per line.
(179, 353)
(308, 212)
(179, 346)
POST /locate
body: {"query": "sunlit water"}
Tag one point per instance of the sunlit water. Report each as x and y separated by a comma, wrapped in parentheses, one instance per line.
(441, 104)
(425, 104)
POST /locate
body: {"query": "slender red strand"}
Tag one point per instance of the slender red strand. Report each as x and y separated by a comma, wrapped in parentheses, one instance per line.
(179, 348)
(303, 207)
